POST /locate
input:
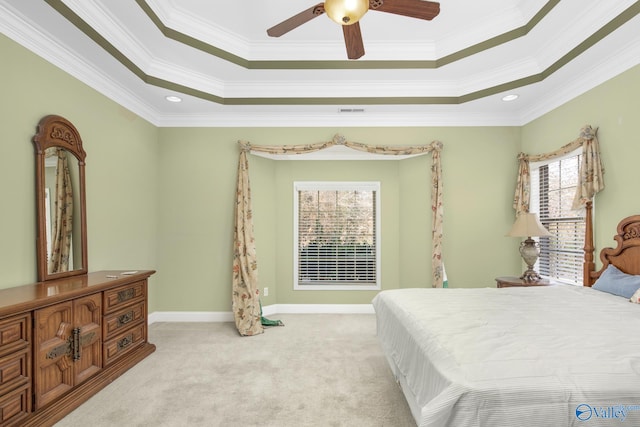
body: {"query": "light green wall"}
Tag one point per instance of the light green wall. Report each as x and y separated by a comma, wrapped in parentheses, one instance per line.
(614, 108)
(197, 193)
(199, 169)
(163, 198)
(121, 171)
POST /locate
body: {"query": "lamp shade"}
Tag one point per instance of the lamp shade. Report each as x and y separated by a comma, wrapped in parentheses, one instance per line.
(528, 225)
(346, 12)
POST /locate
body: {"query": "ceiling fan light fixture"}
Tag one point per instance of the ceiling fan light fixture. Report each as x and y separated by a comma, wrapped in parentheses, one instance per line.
(346, 12)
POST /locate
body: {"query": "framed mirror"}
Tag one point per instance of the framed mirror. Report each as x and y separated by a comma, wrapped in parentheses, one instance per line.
(61, 240)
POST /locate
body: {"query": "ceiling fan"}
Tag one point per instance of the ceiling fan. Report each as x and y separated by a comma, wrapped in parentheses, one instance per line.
(347, 13)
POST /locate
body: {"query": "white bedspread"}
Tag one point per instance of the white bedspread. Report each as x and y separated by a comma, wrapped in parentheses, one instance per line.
(538, 356)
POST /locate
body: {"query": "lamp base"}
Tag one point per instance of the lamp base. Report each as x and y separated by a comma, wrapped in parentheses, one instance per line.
(530, 276)
(529, 250)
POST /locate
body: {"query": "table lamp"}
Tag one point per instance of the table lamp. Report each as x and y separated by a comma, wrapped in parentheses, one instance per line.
(528, 225)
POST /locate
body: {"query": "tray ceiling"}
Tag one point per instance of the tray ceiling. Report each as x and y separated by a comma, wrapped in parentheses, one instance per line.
(217, 57)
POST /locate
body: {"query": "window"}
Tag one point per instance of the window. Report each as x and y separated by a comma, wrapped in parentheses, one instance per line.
(337, 235)
(553, 187)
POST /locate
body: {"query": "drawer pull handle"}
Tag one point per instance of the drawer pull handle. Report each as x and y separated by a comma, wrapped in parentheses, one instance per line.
(126, 294)
(125, 318)
(87, 339)
(64, 349)
(124, 342)
(72, 346)
(76, 344)
(61, 350)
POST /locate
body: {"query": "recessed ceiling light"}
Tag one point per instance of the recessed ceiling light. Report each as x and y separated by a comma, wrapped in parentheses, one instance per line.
(173, 98)
(511, 97)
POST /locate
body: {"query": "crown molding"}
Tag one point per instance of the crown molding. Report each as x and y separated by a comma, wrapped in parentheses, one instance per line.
(20, 30)
(589, 76)
(333, 118)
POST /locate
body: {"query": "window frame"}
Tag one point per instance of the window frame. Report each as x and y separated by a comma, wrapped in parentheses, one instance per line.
(534, 206)
(337, 186)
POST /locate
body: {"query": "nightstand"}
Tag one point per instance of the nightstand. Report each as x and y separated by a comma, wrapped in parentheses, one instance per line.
(511, 281)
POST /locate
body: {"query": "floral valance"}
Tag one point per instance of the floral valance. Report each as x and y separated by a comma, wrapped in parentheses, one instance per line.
(340, 140)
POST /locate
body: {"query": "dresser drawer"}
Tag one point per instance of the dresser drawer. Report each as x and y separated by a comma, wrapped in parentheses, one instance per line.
(15, 333)
(124, 343)
(14, 406)
(114, 323)
(14, 371)
(116, 298)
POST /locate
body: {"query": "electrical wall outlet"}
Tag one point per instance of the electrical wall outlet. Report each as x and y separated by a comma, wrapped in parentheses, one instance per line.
(265, 292)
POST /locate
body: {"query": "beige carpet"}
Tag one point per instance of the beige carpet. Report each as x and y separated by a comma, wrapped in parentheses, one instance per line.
(318, 370)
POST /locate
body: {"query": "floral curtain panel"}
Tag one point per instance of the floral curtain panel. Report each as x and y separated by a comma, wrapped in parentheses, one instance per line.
(591, 179)
(245, 293)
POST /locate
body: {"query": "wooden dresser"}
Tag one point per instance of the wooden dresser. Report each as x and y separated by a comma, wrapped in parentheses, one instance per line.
(62, 341)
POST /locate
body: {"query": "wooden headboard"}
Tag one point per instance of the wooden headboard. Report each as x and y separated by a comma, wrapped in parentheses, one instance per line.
(626, 256)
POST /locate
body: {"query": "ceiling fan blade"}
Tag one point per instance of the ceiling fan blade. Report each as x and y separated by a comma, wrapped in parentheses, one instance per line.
(296, 20)
(353, 40)
(420, 9)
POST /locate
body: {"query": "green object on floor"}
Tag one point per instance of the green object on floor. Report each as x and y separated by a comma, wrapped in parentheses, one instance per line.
(268, 322)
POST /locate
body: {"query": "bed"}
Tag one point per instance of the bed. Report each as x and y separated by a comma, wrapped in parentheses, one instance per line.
(522, 356)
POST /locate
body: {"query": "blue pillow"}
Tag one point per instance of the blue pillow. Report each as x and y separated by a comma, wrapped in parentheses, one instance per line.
(616, 282)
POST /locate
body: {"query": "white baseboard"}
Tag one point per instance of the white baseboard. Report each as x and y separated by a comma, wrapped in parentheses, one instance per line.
(318, 309)
(190, 316)
(269, 310)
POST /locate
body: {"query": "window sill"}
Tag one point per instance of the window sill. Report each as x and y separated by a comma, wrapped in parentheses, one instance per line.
(336, 287)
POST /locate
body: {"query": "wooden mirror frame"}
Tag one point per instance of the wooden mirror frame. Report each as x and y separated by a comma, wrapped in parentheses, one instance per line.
(56, 131)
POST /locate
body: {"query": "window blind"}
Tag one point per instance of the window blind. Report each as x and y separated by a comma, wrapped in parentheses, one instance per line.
(336, 236)
(562, 253)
